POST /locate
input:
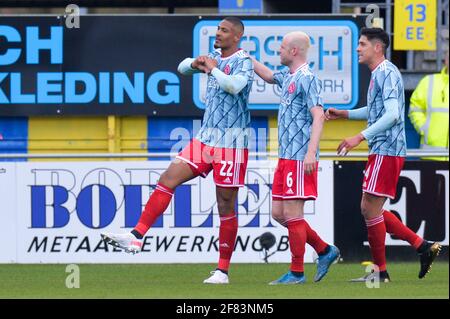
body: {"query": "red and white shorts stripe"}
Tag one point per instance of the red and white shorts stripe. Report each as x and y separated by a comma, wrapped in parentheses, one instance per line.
(381, 175)
(228, 164)
(291, 182)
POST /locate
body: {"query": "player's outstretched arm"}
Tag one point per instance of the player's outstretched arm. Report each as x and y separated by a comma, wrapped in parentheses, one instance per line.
(385, 122)
(351, 142)
(263, 71)
(382, 124)
(358, 114)
(334, 114)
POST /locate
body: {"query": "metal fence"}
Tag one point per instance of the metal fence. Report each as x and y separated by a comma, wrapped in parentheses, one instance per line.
(410, 153)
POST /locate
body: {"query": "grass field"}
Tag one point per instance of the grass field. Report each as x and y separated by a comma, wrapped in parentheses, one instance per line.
(185, 281)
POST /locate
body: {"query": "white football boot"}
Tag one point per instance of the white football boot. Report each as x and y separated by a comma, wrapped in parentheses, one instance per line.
(217, 277)
(127, 241)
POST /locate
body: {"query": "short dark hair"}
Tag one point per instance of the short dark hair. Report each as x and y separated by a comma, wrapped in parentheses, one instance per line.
(236, 22)
(377, 34)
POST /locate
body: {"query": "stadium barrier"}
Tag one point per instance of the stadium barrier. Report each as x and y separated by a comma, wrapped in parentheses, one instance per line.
(411, 153)
(53, 212)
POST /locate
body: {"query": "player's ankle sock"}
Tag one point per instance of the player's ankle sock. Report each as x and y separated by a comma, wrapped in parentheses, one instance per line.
(223, 271)
(155, 207)
(313, 239)
(376, 233)
(423, 247)
(227, 238)
(325, 251)
(297, 273)
(136, 234)
(297, 241)
(396, 227)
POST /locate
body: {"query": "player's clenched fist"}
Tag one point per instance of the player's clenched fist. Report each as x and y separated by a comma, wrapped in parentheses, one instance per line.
(210, 64)
(333, 114)
(199, 63)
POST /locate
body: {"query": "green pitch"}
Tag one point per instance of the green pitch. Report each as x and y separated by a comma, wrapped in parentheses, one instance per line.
(185, 281)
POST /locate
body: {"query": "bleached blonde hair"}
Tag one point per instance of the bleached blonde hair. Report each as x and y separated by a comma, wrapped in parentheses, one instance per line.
(300, 40)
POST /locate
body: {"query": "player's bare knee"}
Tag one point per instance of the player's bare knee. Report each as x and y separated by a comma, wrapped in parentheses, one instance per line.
(366, 209)
(163, 179)
(168, 179)
(277, 211)
(279, 219)
(278, 215)
(225, 207)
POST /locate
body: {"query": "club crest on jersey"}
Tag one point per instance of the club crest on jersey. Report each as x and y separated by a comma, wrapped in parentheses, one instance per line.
(371, 84)
(227, 69)
(291, 88)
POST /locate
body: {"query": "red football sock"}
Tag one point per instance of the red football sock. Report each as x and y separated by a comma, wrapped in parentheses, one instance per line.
(297, 240)
(396, 227)
(227, 239)
(314, 240)
(155, 207)
(376, 231)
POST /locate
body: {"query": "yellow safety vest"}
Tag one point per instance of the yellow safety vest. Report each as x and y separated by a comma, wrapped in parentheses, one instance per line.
(428, 112)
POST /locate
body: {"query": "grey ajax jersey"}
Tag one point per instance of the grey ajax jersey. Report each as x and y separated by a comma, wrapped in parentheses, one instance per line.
(300, 91)
(227, 119)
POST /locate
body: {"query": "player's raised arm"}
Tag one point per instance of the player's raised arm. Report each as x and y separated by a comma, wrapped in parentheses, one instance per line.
(190, 65)
(263, 71)
(230, 83)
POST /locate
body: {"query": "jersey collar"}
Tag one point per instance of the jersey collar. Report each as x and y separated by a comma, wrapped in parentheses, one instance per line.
(300, 67)
(380, 64)
(228, 57)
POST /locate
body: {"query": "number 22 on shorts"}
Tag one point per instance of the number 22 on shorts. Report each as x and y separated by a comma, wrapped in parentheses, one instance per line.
(226, 171)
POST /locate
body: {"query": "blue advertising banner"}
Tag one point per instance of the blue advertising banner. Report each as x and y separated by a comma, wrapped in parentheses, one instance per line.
(120, 65)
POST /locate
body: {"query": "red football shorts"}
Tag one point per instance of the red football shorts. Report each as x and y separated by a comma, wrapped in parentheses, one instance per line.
(229, 164)
(381, 175)
(290, 181)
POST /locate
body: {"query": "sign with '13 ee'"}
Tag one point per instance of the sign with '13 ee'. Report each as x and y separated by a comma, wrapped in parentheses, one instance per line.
(415, 25)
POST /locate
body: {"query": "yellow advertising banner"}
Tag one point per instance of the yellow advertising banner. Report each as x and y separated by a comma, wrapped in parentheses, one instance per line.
(415, 25)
